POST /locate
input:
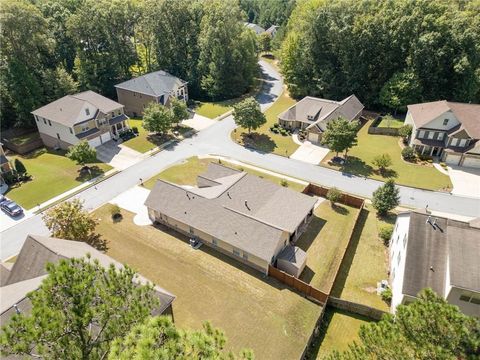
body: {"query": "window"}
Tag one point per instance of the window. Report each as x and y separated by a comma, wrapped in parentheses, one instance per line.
(471, 299)
(36, 118)
(421, 133)
(245, 256)
(87, 111)
(71, 130)
(427, 133)
(440, 136)
(49, 123)
(462, 142)
(85, 128)
(44, 121)
(236, 252)
(214, 242)
(405, 240)
(399, 257)
(445, 122)
(454, 142)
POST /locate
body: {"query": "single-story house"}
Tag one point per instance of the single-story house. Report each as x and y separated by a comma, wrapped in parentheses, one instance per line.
(312, 114)
(243, 216)
(29, 270)
(428, 251)
(159, 87)
(446, 129)
(84, 116)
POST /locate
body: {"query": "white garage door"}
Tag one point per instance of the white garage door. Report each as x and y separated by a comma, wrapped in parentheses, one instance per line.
(452, 159)
(95, 142)
(473, 162)
(105, 137)
(312, 137)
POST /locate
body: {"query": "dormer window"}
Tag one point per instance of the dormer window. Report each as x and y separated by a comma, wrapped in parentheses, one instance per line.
(87, 111)
(445, 122)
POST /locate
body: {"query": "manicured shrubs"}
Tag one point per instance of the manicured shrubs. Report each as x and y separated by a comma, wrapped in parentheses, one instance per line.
(408, 153)
(135, 130)
(277, 129)
(127, 134)
(385, 233)
(387, 295)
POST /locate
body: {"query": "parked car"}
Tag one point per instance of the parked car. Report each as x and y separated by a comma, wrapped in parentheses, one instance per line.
(11, 208)
(3, 199)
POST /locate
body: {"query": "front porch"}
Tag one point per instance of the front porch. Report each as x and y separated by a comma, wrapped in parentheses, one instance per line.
(427, 150)
(118, 124)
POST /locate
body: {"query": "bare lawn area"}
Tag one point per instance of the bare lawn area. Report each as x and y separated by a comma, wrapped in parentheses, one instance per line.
(324, 241)
(255, 312)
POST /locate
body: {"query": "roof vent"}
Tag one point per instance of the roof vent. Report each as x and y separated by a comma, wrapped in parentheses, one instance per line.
(246, 205)
(17, 310)
(434, 222)
(431, 269)
(428, 221)
(228, 194)
(186, 193)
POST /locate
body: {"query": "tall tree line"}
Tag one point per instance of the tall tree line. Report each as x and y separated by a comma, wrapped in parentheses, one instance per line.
(54, 47)
(389, 53)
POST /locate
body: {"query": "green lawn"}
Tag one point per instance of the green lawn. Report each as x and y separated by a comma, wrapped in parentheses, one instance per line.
(324, 241)
(390, 121)
(52, 174)
(186, 173)
(339, 328)
(145, 141)
(255, 312)
(214, 109)
(26, 138)
(263, 139)
(360, 163)
(366, 262)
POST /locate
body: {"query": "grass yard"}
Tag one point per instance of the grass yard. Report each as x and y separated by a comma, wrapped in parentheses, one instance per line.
(366, 262)
(26, 138)
(360, 163)
(389, 121)
(145, 141)
(263, 139)
(324, 241)
(186, 173)
(255, 312)
(52, 173)
(339, 328)
(214, 109)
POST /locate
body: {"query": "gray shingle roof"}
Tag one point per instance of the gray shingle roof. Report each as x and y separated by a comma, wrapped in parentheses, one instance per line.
(318, 112)
(155, 83)
(74, 109)
(258, 29)
(432, 250)
(294, 255)
(244, 210)
(37, 251)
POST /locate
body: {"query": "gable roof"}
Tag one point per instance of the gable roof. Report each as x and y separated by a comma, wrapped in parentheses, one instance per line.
(450, 245)
(258, 29)
(74, 109)
(156, 83)
(272, 29)
(243, 210)
(37, 251)
(467, 114)
(318, 112)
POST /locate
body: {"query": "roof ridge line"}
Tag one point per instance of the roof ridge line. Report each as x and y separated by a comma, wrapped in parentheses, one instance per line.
(253, 218)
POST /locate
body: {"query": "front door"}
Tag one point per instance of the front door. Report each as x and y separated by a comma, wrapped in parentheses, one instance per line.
(114, 130)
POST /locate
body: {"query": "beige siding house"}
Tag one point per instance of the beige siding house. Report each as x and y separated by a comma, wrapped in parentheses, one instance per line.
(29, 270)
(312, 115)
(238, 214)
(446, 129)
(159, 87)
(85, 116)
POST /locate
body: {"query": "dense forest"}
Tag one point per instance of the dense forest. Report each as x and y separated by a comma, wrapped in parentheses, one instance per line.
(54, 47)
(388, 53)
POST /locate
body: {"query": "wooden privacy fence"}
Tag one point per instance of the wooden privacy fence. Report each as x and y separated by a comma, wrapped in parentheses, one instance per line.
(355, 308)
(346, 199)
(306, 289)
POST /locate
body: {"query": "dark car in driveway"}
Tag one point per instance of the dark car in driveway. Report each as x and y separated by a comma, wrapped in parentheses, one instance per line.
(11, 208)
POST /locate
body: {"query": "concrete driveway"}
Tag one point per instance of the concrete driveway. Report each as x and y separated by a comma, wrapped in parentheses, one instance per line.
(118, 156)
(310, 153)
(198, 122)
(132, 200)
(466, 181)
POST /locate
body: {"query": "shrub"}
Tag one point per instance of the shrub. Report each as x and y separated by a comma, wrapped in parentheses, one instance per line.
(382, 161)
(386, 197)
(116, 212)
(21, 169)
(135, 130)
(385, 233)
(276, 125)
(405, 131)
(334, 195)
(408, 153)
(284, 183)
(442, 164)
(387, 295)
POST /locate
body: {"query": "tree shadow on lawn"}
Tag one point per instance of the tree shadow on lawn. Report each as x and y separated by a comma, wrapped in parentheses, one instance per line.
(88, 173)
(389, 218)
(159, 139)
(355, 166)
(38, 152)
(346, 264)
(342, 210)
(308, 237)
(386, 173)
(258, 141)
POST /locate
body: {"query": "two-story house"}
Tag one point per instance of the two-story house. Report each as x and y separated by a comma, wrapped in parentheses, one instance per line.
(159, 87)
(85, 116)
(428, 251)
(448, 130)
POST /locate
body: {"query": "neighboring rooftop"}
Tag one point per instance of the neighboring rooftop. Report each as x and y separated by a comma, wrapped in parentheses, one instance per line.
(156, 83)
(241, 209)
(433, 249)
(272, 29)
(29, 268)
(467, 114)
(258, 29)
(318, 112)
(75, 109)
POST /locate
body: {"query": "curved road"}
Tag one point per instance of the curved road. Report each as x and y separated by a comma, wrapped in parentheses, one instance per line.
(216, 140)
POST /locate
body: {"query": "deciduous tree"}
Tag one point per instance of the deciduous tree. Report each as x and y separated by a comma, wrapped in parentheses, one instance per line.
(79, 309)
(429, 328)
(382, 161)
(334, 195)
(386, 197)
(340, 135)
(157, 118)
(179, 110)
(247, 114)
(82, 153)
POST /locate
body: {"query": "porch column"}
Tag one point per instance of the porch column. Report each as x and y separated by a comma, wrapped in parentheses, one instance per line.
(431, 152)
